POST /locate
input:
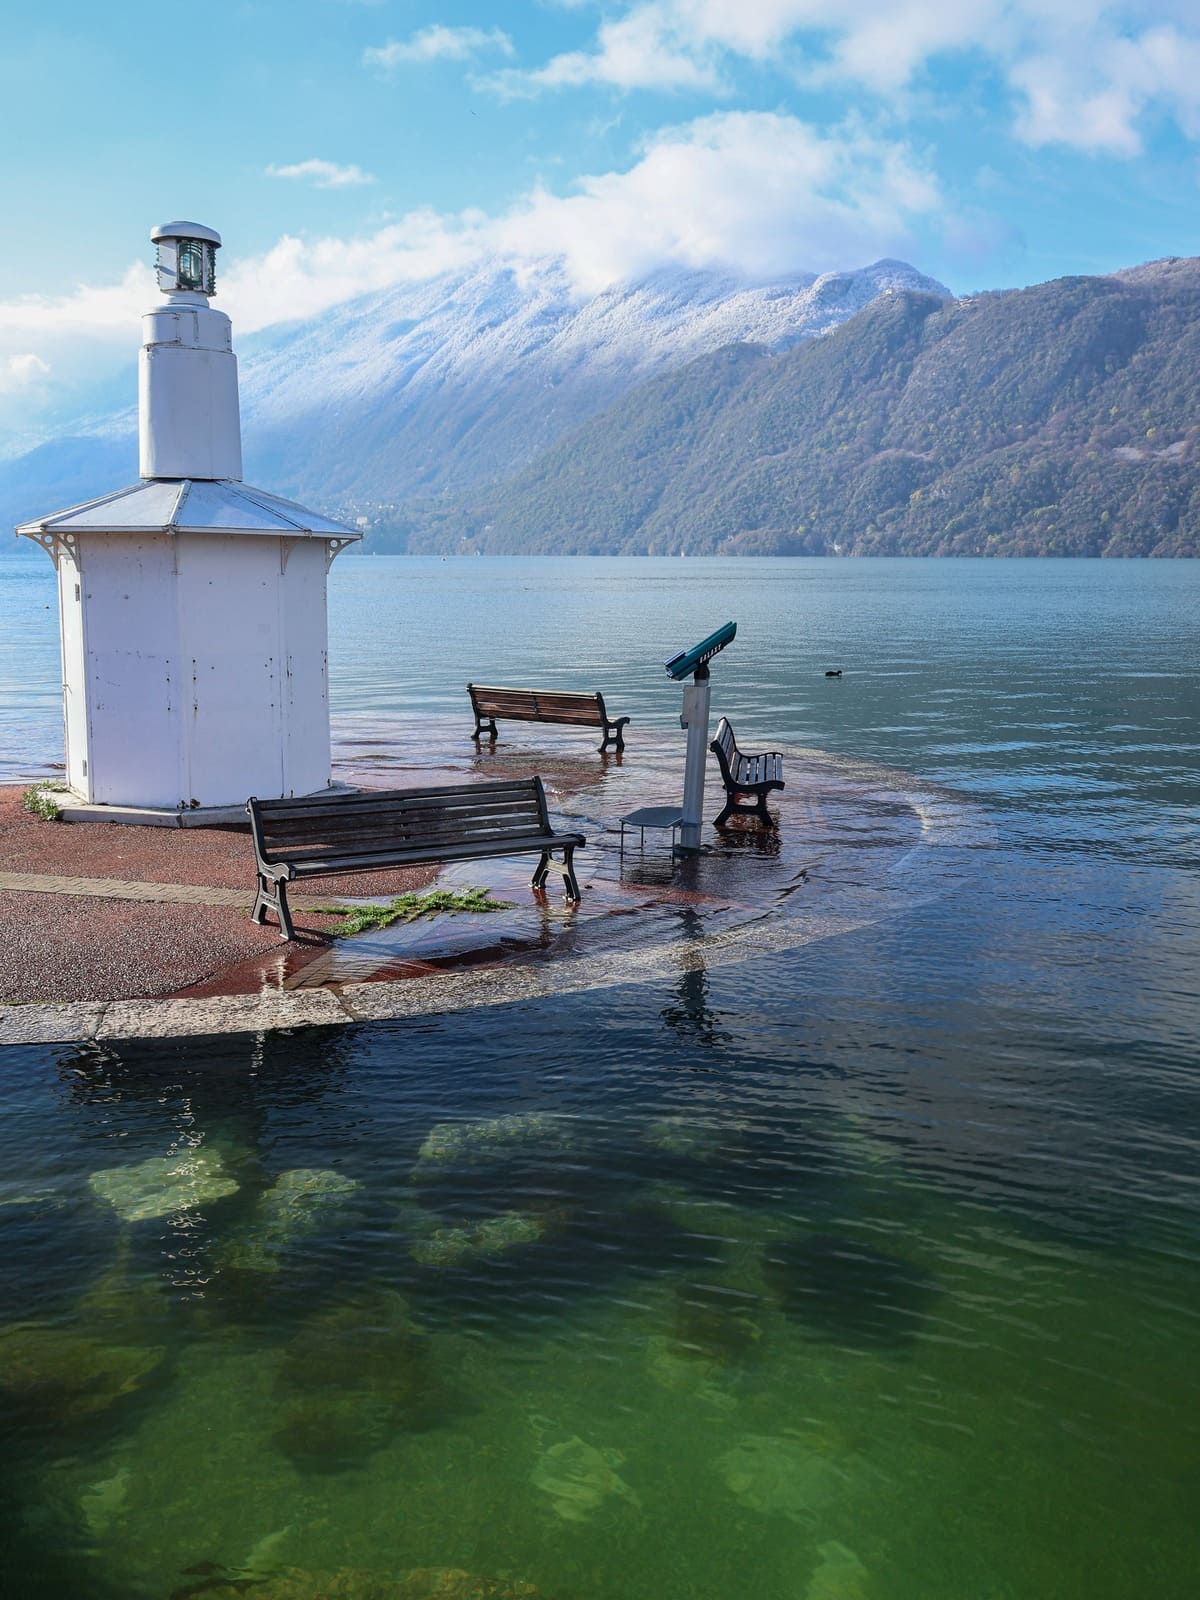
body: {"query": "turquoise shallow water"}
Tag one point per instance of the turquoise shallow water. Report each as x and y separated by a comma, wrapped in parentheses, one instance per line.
(865, 1270)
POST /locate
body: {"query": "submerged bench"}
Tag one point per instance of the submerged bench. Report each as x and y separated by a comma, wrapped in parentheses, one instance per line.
(745, 775)
(544, 705)
(324, 835)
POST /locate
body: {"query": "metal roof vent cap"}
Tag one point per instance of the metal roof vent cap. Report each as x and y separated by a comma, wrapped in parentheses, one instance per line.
(187, 257)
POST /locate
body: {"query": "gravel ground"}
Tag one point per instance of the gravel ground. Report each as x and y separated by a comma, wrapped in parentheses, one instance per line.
(71, 947)
(215, 857)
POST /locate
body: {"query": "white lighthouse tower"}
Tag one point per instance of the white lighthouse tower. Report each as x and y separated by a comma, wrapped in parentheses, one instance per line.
(192, 607)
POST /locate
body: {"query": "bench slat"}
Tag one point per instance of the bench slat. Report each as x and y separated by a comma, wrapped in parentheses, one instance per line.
(343, 804)
(400, 839)
(448, 850)
(358, 817)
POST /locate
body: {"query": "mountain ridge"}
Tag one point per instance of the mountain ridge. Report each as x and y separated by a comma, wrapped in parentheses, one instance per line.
(1060, 419)
(439, 386)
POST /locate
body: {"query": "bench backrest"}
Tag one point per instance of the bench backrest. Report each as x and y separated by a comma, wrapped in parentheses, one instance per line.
(535, 705)
(381, 820)
(724, 744)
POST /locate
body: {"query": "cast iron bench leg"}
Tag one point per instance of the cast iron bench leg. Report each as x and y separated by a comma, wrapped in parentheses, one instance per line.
(730, 808)
(538, 881)
(263, 899)
(286, 930)
(614, 734)
(480, 724)
(568, 872)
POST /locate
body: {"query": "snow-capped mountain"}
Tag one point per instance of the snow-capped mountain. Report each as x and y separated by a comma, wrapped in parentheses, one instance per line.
(438, 386)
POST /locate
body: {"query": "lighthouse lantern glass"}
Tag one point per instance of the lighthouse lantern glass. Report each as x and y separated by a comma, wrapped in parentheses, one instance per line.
(187, 264)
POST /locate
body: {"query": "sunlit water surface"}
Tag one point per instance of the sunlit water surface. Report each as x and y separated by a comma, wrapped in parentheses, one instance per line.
(866, 1271)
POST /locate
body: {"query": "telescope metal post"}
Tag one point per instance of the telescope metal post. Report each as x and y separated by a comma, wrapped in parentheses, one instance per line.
(695, 720)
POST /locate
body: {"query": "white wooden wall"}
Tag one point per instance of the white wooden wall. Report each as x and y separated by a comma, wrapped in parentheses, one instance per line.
(201, 662)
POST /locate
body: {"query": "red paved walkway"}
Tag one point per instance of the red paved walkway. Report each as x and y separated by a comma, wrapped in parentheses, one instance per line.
(76, 947)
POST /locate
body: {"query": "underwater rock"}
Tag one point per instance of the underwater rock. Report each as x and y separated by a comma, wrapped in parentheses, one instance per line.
(104, 1501)
(579, 1479)
(449, 1247)
(329, 1432)
(839, 1576)
(263, 1560)
(302, 1199)
(352, 1375)
(451, 1583)
(163, 1185)
(843, 1290)
(56, 1374)
(715, 1322)
(458, 1143)
(685, 1136)
(45, 1196)
(121, 1304)
(298, 1204)
(351, 1583)
(687, 1375)
(783, 1477)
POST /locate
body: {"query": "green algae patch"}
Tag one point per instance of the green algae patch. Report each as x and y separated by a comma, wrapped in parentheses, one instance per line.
(299, 1204)
(579, 1479)
(495, 1236)
(486, 1138)
(55, 1373)
(411, 908)
(163, 1185)
(782, 1477)
(350, 1583)
(353, 1376)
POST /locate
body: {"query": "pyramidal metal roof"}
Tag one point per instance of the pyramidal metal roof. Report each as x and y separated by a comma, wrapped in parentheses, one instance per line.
(190, 505)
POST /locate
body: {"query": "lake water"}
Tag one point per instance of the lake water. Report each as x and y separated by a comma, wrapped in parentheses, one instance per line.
(865, 1271)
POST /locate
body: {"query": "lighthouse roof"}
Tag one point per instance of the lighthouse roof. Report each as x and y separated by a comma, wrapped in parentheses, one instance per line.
(190, 505)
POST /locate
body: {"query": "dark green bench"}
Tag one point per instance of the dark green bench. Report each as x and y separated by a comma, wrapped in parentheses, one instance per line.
(544, 705)
(745, 774)
(327, 835)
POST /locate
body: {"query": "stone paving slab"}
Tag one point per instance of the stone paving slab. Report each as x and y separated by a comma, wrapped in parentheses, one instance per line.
(49, 1024)
(386, 1001)
(183, 894)
(273, 1008)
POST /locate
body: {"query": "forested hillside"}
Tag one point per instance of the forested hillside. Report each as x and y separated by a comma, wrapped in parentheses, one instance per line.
(1057, 420)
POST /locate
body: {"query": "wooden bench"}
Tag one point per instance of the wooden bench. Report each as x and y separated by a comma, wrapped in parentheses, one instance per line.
(745, 775)
(544, 705)
(324, 835)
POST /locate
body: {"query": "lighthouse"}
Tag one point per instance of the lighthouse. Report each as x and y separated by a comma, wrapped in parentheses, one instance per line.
(192, 607)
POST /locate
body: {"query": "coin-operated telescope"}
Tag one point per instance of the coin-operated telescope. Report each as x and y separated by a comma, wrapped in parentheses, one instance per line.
(693, 663)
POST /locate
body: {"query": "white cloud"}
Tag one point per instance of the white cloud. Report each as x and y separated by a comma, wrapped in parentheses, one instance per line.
(754, 193)
(640, 51)
(323, 174)
(1082, 73)
(1097, 101)
(21, 370)
(438, 43)
(109, 309)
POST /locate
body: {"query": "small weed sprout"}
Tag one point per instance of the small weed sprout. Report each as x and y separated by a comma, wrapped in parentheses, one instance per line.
(38, 802)
(409, 907)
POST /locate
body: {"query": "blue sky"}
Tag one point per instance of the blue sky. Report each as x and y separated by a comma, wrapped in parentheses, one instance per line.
(341, 145)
